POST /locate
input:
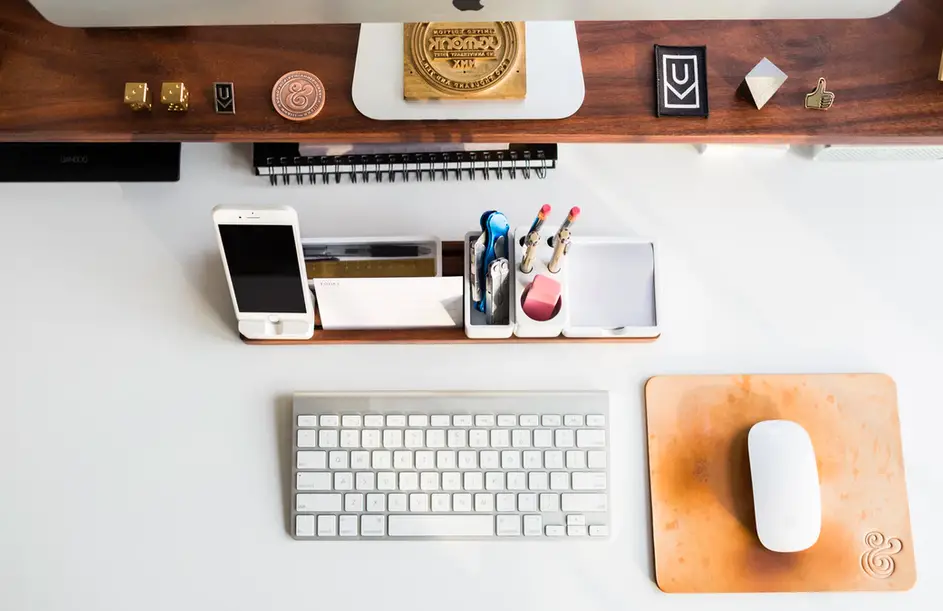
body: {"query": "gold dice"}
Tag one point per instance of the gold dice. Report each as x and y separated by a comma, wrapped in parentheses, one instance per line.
(175, 96)
(137, 96)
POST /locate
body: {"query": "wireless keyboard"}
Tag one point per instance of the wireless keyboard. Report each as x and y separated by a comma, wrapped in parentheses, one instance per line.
(450, 466)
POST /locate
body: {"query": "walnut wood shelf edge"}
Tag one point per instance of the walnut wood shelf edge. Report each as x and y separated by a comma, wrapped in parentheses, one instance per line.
(61, 84)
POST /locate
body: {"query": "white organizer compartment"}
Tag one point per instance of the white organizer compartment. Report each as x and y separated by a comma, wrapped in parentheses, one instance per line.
(475, 325)
(525, 326)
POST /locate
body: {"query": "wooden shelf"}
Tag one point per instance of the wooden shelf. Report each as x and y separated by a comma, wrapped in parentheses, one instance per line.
(66, 84)
(452, 263)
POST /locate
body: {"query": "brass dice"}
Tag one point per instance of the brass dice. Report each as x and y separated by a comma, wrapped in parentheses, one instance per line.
(175, 96)
(137, 96)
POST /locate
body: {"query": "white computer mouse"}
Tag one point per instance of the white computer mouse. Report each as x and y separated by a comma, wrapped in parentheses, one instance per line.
(786, 494)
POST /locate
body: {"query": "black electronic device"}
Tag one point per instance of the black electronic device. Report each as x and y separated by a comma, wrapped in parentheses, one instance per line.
(90, 162)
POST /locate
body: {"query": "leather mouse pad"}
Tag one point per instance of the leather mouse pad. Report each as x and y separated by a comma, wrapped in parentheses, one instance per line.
(702, 501)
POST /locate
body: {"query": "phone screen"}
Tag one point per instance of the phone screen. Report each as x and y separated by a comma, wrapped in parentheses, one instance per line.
(263, 265)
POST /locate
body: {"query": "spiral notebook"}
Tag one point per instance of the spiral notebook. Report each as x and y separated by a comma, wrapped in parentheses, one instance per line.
(286, 164)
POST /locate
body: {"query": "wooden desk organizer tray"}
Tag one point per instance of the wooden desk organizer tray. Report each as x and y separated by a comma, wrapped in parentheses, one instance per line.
(702, 502)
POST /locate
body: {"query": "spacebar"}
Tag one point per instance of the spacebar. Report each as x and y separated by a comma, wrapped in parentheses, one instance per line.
(441, 526)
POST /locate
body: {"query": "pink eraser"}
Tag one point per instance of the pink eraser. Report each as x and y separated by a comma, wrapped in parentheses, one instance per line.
(541, 298)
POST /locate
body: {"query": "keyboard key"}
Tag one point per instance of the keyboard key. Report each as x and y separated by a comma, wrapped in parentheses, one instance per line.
(327, 438)
(441, 420)
(511, 459)
(343, 481)
(551, 420)
(508, 526)
(481, 420)
(409, 480)
(419, 420)
(505, 502)
(527, 502)
(304, 525)
(356, 421)
(370, 439)
(307, 421)
(429, 480)
(572, 420)
(576, 520)
(530, 420)
(563, 438)
(559, 480)
(576, 531)
(591, 438)
(373, 421)
(441, 502)
(537, 480)
(484, 501)
(327, 420)
(533, 459)
(317, 502)
(360, 459)
(373, 526)
(376, 502)
(474, 481)
(507, 420)
(599, 530)
(414, 438)
(586, 480)
(451, 480)
(520, 438)
(549, 502)
(382, 459)
(517, 480)
(312, 460)
(348, 525)
(478, 438)
(489, 459)
(327, 525)
(494, 480)
(457, 437)
(365, 481)
(553, 459)
(435, 438)
(419, 502)
(555, 531)
(398, 502)
(392, 438)
(350, 438)
(396, 420)
(402, 459)
(462, 502)
(583, 502)
(386, 480)
(533, 526)
(445, 459)
(353, 502)
(425, 459)
(441, 526)
(307, 439)
(313, 481)
(468, 459)
(338, 459)
(462, 420)
(500, 438)
(543, 438)
(595, 420)
(575, 459)
(596, 459)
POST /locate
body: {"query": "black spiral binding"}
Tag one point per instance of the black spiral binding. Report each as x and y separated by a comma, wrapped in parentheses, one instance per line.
(284, 166)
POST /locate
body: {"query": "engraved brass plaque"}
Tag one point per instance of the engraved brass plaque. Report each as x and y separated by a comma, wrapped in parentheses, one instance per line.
(484, 60)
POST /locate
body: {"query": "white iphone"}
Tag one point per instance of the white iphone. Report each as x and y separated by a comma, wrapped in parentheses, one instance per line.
(265, 269)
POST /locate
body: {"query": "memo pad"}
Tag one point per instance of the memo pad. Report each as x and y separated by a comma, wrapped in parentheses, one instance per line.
(702, 502)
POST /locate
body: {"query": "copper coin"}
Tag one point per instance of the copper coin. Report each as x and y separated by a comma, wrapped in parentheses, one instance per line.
(298, 96)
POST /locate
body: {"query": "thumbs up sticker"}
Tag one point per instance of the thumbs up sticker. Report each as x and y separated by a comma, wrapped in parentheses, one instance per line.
(820, 99)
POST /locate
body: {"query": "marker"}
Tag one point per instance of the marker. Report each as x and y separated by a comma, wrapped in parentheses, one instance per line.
(561, 242)
(533, 239)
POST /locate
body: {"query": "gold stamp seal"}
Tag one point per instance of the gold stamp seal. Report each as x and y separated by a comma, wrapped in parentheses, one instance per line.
(464, 60)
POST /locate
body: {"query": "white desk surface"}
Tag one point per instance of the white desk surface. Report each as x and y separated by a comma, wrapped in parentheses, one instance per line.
(144, 449)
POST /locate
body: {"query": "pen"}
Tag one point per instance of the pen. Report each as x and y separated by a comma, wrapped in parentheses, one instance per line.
(561, 242)
(532, 239)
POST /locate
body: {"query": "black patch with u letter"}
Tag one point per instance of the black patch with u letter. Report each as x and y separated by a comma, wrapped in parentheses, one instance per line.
(681, 81)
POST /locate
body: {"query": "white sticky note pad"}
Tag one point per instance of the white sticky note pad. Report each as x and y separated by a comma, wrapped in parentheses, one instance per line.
(389, 303)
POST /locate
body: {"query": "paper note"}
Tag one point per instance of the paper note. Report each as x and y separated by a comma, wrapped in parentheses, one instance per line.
(389, 303)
